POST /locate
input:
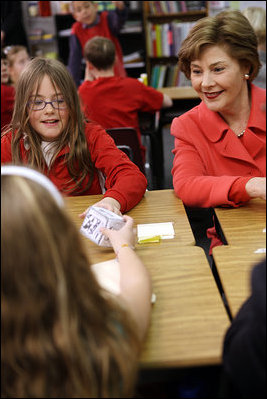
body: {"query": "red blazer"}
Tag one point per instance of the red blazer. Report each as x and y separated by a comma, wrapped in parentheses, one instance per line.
(211, 164)
(100, 29)
(124, 182)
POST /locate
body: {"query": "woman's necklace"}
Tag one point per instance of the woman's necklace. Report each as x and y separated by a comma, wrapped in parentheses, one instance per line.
(241, 134)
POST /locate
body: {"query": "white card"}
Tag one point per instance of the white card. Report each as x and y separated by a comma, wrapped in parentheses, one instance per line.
(150, 230)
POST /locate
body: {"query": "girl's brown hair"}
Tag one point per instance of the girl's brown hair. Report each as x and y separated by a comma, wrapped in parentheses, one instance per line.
(229, 29)
(78, 159)
(61, 334)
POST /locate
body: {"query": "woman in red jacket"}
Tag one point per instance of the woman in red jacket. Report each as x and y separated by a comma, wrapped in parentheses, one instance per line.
(220, 145)
(50, 134)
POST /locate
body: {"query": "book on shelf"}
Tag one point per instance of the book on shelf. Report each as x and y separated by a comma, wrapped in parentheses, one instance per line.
(164, 40)
(172, 7)
(132, 26)
(162, 76)
(168, 76)
(136, 56)
(195, 5)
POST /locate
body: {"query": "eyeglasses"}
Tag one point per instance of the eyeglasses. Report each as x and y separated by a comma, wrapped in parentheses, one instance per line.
(38, 105)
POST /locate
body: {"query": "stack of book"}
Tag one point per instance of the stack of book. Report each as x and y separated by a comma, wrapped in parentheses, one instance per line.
(165, 40)
(172, 7)
(134, 60)
(168, 76)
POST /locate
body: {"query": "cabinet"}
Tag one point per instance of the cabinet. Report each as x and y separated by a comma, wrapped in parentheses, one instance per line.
(41, 32)
(132, 40)
(166, 24)
(63, 23)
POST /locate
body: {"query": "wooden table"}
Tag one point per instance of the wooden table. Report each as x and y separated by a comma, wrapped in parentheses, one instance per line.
(179, 93)
(155, 207)
(234, 265)
(244, 226)
(244, 231)
(188, 319)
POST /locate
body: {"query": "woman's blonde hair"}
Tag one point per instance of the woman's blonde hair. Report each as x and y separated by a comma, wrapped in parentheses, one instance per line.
(61, 334)
(257, 19)
(78, 159)
(229, 29)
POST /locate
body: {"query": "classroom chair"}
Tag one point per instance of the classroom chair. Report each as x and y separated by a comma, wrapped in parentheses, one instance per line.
(126, 139)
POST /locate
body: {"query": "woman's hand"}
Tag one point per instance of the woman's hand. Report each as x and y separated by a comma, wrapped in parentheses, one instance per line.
(256, 187)
(108, 203)
(125, 235)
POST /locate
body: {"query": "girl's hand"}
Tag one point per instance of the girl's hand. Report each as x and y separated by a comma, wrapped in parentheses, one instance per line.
(108, 203)
(119, 4)
(125, 235)
(256, 187)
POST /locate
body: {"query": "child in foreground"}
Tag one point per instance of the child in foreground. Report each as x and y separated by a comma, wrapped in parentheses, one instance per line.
(62, 334)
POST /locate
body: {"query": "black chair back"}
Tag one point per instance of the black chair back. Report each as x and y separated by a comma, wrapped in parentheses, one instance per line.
(127, 137)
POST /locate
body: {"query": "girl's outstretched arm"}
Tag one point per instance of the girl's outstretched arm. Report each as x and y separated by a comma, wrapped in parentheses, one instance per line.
(135, 281)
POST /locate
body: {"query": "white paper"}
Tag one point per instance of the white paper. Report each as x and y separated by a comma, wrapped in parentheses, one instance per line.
(149, 230)
(108, 275)
(260, 251)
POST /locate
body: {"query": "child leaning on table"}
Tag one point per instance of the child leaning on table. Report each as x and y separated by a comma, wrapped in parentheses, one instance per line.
(90, 23)
(62, 334)
(49, 133)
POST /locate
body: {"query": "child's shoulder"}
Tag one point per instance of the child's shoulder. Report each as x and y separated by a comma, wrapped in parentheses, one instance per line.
(76, 26)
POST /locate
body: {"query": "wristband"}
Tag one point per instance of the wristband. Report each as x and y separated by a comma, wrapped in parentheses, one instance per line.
(123, 246)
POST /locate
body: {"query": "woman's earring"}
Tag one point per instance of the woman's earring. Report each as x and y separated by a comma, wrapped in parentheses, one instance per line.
(246, 76)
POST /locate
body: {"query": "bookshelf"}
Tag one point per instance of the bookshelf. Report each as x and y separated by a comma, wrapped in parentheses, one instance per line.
(166, 24)
(132, 40)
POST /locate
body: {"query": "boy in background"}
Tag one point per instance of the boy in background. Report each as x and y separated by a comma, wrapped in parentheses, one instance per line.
(89, 24)
(115, 101)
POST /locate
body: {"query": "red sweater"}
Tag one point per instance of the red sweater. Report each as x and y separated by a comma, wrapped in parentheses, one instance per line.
(211, 164)
(100, 29)
(124, 182)
(7, 104)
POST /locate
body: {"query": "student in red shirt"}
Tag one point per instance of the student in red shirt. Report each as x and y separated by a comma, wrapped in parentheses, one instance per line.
(89, 24)
(114, 101)
(49, 133)
(7, 93)
(220, 145)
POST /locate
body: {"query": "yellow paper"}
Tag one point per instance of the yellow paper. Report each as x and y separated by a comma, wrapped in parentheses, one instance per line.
(149, 239)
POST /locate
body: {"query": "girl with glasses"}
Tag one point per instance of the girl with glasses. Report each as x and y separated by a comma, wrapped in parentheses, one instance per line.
(49, 132)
